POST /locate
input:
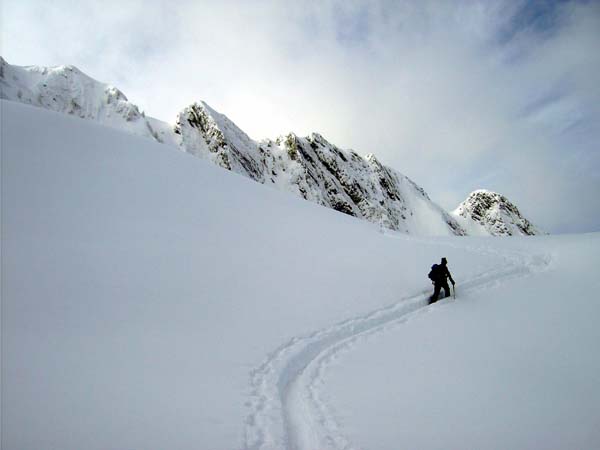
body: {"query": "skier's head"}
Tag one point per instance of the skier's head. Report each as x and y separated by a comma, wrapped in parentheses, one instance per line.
(444, 261)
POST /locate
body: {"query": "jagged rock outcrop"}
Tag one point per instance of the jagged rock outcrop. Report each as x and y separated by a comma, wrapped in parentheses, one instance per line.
(489, 213)
(319, 171)
(208, 134)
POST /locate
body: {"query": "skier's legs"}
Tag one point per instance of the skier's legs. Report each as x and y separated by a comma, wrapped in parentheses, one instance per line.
(436, 293)
(446, 289)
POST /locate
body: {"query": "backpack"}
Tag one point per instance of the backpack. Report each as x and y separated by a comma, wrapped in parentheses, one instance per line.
(434, 272)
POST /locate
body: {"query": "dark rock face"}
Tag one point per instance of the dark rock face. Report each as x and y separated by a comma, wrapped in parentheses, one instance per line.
(206, 133)
(495, 214)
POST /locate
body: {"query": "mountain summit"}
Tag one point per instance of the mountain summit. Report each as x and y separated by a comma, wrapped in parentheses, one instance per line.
(489, 213)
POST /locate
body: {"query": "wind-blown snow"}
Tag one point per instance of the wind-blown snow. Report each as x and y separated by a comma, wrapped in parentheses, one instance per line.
(152, 300)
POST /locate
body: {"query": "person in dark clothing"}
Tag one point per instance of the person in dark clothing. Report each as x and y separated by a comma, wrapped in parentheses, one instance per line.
(439, 275)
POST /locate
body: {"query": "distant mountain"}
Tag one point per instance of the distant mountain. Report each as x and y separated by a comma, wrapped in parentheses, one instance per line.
(310, 167)
(489, 213)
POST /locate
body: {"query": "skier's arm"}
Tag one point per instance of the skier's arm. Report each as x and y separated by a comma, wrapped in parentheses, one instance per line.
(450, 276)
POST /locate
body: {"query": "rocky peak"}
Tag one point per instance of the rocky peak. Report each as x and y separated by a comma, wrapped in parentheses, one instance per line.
(210, 135)
(492, 213)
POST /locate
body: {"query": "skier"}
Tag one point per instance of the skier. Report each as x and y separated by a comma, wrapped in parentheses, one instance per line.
(439, 277)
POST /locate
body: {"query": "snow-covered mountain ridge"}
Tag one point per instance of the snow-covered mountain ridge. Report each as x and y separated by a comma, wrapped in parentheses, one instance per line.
(316, 170)
(309, 167)
(489, 213)
(67, 90)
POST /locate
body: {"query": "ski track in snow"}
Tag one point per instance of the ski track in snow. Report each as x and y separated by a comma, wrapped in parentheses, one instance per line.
(286, 409)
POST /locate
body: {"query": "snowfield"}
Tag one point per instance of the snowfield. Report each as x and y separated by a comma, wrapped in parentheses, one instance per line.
(512, 363)
(152, 300)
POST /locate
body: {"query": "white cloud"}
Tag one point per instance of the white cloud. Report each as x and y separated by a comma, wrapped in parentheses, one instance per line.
(452, 94)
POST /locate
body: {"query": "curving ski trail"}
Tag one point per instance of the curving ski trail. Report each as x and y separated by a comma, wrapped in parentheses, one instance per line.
(286, 410)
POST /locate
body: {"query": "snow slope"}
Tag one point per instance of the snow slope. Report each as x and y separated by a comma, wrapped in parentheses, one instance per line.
(507, 365)
(142, 286)
(151, 300)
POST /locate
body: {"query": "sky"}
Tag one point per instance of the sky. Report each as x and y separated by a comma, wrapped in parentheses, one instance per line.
(462, 95)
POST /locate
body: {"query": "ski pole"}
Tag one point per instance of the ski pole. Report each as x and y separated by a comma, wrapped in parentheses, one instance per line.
(454, 291)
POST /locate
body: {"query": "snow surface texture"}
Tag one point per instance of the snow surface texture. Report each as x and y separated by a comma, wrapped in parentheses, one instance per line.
(486, 213)
(309, 167)
(151, 300)
(507, 365)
